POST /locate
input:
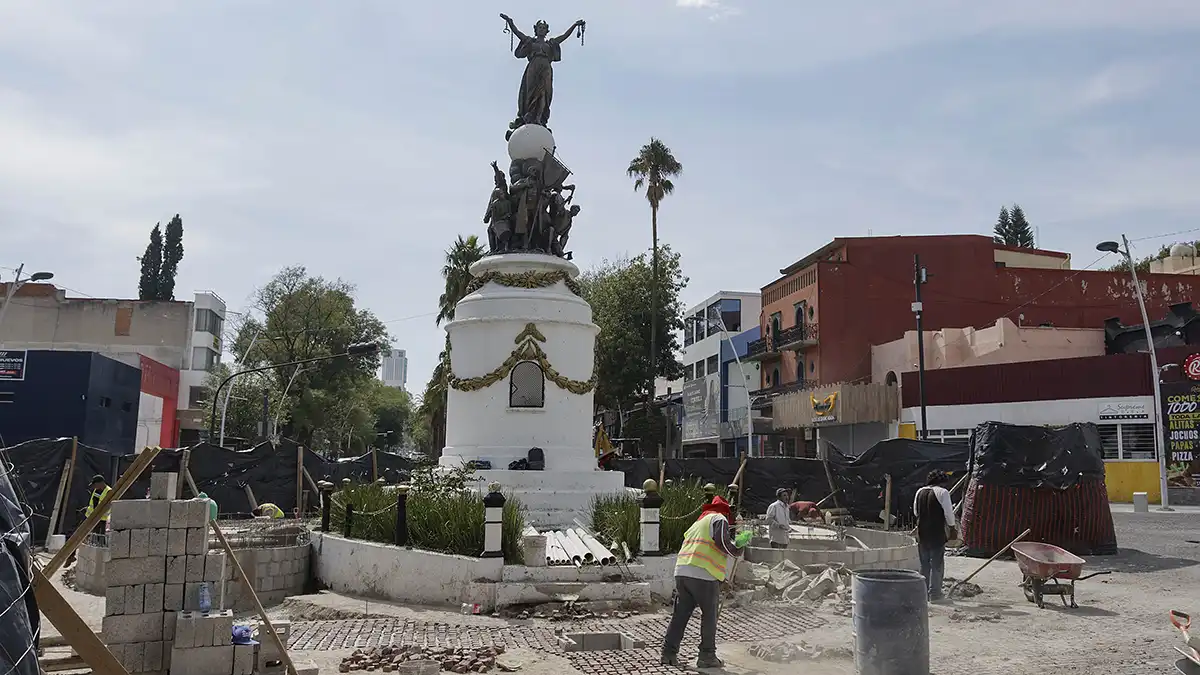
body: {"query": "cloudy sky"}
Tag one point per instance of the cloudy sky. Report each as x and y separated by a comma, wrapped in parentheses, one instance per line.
(354, 137)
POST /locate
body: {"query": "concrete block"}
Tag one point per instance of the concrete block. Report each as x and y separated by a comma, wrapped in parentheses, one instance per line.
(185, 631)
(274, 569)
(164, 486)
(166, 657)
(118, 544)
(173, 597)
(202, 660)
(158, 542)
(222, 627)
(176, 572)
(114, 601)
(118, 652)
(170, 620)
(213, 567)
(130, 514)
(133, 627)
(195, 568)
(1141, 502)
(135, 599)
(198, 515)
(197, 540)
(139, 543)
(152, 658)
(245, 659)
(306, 668)
(154, 598)
(179, 512)
(266, 583)
(131, 571)
(177, 541)
(133, 657)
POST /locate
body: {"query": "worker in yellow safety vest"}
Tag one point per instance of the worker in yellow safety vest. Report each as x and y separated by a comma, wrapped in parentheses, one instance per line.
(100, 490)
(703, 562)
(268, 510)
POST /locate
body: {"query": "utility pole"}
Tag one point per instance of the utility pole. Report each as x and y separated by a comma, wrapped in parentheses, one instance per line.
(920, 279)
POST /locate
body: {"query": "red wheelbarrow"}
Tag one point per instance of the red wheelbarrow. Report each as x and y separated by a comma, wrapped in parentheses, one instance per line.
(1049, 570)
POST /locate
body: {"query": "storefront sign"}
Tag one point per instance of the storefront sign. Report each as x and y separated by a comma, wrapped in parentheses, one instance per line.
(824, 409)
(12, 365)
(1124, 410)
(1191, 367)
(1181, 415)
(701, 409)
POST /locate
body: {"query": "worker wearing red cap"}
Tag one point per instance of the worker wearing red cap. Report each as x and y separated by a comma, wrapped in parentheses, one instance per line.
(699, 570)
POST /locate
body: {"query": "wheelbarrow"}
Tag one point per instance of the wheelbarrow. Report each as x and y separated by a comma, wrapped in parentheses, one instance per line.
(1049, 570)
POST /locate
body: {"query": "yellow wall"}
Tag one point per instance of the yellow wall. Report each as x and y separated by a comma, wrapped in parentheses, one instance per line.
(1125, 478)
(907, 430)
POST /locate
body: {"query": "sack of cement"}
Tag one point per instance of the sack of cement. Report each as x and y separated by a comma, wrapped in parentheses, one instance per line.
(784, 575)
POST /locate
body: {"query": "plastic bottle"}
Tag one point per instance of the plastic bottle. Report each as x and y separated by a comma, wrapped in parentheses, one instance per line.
(205, 598)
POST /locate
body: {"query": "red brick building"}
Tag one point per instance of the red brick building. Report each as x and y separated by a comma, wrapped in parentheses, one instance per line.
(824, 313)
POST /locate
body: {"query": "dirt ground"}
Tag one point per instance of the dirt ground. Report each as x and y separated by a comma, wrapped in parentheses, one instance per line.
(1120, 627)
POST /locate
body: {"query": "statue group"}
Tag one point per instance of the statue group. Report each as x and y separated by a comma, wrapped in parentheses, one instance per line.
(530, 209)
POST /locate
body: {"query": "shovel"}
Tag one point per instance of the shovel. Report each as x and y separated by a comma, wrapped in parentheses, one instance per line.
(1183, 622)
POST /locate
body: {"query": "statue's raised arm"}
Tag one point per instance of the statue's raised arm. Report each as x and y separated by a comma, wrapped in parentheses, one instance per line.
(563, 38)
(512, 26)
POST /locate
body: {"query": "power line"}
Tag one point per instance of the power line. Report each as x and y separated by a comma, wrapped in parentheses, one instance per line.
(1168, 234)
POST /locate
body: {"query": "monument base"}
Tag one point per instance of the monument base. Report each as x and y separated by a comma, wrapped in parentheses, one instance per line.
(554, 499)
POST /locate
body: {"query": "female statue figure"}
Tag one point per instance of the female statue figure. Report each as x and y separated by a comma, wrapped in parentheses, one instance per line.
(537, 85)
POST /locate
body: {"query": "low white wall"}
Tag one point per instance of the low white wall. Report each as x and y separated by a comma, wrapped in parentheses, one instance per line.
(388, 572)
(887, 550)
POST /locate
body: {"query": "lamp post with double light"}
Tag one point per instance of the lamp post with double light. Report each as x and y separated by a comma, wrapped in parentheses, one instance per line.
(16, 284)
(720, 322)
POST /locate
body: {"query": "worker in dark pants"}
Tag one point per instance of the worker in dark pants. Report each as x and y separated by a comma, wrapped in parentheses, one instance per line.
(699, 570)
(935, 526)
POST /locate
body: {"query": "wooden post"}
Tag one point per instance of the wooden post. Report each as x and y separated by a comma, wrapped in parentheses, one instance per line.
(248, 585)
(312, 484)
(662, 466)
(143, 460)
(250, 497)
(887, 504)
(299, 480)
(63, 481)
(183, 468)
(832, 486)
(374, 464)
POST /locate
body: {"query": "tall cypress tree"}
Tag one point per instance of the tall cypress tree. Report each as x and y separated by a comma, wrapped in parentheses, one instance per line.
(152, 262)
(172, 253)
(1021, 233)
(1003, 229)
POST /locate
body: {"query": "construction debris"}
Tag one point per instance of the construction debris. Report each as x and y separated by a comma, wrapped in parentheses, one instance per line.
(570, 611)
(787, 652)
(790, 582)
(389, 659)
(964, 590)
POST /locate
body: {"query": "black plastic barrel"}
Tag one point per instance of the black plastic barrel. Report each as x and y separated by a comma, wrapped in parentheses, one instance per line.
(891, 623)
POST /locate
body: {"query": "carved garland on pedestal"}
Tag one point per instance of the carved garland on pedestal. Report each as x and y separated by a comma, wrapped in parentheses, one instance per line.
(527, 349)
(531, 279)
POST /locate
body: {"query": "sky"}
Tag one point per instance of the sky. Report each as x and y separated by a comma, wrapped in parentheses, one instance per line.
(354, 138)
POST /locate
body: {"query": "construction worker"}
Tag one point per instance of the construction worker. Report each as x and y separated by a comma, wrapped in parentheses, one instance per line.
(700, 568)
(268, 510)
(100, 490)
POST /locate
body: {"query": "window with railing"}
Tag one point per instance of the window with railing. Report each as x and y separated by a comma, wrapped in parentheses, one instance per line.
(208, 321)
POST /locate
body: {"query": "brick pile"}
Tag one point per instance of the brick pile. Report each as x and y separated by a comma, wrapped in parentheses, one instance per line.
(160, 558)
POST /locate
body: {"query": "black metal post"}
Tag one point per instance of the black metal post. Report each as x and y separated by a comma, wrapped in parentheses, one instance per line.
(326, 503)
(402, 515)
(918, 309)
(493, 522)
(349, 521)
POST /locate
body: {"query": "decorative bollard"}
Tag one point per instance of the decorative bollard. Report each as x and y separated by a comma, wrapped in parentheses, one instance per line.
(493, 522)
(733, 499)
(710, 491)
(402, 515)
(651, 503)
(349, 521)
(326, 489)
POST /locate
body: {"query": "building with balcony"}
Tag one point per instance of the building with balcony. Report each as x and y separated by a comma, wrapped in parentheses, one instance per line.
(821, 317)
(707, 326)
(395, 369)
(183, 336)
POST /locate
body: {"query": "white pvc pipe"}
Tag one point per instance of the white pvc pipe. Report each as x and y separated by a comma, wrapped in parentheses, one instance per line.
(555, 554)
(574, 550)
(587, 555)
(600, 553)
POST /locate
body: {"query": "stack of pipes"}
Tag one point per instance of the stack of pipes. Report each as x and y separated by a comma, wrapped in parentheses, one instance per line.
(576, 547)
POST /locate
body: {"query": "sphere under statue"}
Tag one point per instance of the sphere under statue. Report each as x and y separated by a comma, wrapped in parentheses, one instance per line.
(530, 141)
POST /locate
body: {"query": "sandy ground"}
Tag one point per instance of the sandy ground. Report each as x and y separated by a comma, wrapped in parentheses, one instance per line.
(1120, 627)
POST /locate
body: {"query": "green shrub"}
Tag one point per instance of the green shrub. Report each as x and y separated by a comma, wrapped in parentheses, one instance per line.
(618, 517)
(441, 517)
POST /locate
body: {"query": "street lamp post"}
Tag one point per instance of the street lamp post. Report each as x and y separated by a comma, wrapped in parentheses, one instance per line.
(16, 284)
(225, 403)
(364, 349)
(1114, 247)
(749, 412)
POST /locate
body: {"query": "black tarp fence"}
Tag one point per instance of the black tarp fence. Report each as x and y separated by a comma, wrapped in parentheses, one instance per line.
(860, 480)
(270, 471)
(19, 620)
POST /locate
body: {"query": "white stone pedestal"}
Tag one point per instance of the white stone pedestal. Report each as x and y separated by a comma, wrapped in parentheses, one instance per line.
(525, 311)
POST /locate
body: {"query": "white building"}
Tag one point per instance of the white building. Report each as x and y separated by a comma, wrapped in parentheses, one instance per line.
(707, 400)
(395, 369)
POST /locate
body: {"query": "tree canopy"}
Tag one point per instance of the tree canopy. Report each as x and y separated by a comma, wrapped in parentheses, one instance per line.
(160, 262)
(1012, 229)
(333, 405)
(1142, 265)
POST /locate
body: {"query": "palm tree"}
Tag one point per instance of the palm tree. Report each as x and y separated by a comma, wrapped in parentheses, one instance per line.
(457, 272)
(653, 169)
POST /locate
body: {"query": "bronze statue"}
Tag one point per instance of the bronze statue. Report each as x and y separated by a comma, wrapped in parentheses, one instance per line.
(562, 213)
(537, 85)
(499, 214)
(526, 193)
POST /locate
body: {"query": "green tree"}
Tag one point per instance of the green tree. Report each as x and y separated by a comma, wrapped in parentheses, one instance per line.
(1142, 265)
(456, 276)
(297, 317)
(1012, 229)
(244, 414)
(652, 169)
(148, 284)
(392, 408)
(172, 254)
(619, 292)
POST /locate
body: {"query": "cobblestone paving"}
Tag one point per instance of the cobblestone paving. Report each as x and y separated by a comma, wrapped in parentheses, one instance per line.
(737, 625)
